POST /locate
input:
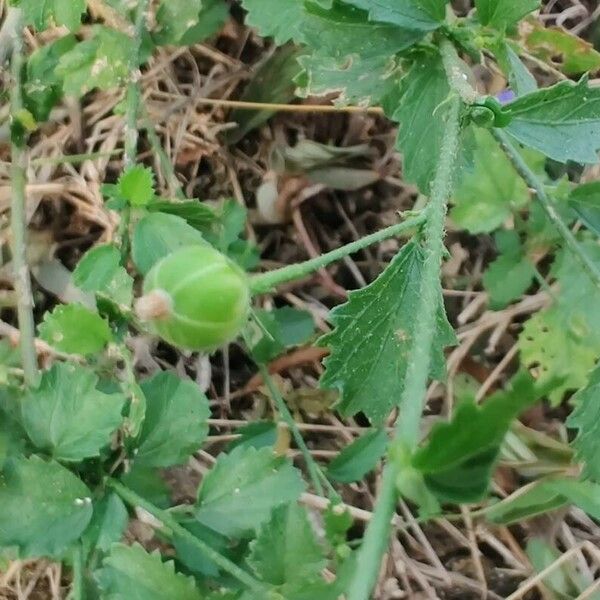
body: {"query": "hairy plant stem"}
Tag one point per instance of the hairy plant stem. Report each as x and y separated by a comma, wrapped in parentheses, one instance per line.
(170, 523)
(18, 176)
(314, 470)
(266, 282)
(376, 537)
(537, 186)
(132, 103)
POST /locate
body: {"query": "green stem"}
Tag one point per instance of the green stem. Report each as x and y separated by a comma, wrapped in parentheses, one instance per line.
(223, 563)
(77, 583)
(18, 176)
(538, 187)
(376, 537)
(132, 103)
(266, 282)
(314, 470)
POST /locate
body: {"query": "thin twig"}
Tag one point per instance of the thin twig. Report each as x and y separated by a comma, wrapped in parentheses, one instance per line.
(19, 216)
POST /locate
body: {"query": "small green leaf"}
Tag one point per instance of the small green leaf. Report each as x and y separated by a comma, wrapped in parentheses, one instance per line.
(372, 336)
(459, 455)
(47, 13)
(360, 457)
(67, 416)
(586, 419)
(197, 214)
(129, 572)
(158, 234)
(45, 508)
(275, 19)
(576, 54)
(238, 494)
(425, 15)
(175, 424)
(101, 61)
(107, 525)
(562, 121)
(148, 483)
(280, 329)
(509, 276)
(583, 494)
(502, 13)
(520, 79)
(585, 201)
(100, 271)
(490, 190)
(259, 434)
(75, 329)
(285, 552)
(136, 185)
(531, 501)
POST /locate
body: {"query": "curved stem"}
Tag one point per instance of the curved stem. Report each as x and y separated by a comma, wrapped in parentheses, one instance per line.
(538, 187)
(18, 177)
(225, 564)
(266, 282)
(376, 537)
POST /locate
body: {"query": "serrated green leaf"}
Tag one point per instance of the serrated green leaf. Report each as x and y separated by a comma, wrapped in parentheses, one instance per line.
(532, 501)
(502, 13)
(422, 113)
(275, 19)
(136, 185)
(238, 494)
(562, 343)
(107, 525)
(424, 15)
(75, 329)
(285, 552)
(197, 214)
(131, 573)
(258, 434)
(47, 13)
(45, 508)
(373, 335)
(489, 191)
(67, 416)
(562, 121)
(175, 424)
(158, 234)
(509, 276)
(360, 457)
(100, 271)
(585, 201)
(101, 61)
(459, 455)
(586, 419)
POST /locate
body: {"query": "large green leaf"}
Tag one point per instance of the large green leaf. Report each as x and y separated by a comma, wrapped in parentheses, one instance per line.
(238, 494)
(131, 573)
(459, 455)
(586, 419)
(175, 424)
(562, 121)
(101, 61)
(45, 13)
(490, 190)
(286, 553)
(67, 416)
(75, 329)
(501, 13)
(409, 14)
(45, 508)
(373, 335)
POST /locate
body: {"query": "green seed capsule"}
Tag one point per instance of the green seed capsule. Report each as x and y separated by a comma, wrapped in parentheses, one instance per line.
(195, 298)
